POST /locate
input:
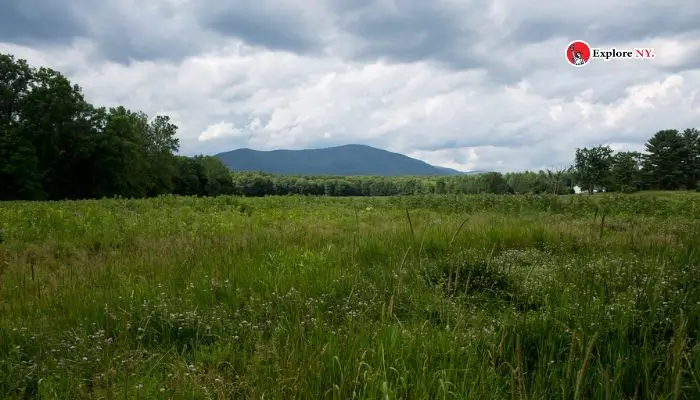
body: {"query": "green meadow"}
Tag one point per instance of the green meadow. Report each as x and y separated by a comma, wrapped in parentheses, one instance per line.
(416, 297)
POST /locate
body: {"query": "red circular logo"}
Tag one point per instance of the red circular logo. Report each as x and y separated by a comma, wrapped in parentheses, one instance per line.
(578, 53)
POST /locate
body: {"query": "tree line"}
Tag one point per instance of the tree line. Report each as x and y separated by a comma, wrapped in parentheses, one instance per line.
(671, 161)
(262, 184)
(55, 145)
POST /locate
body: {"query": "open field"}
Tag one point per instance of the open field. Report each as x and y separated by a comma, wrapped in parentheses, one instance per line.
(434, 297)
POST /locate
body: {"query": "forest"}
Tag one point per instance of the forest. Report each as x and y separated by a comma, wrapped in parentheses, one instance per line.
(55, 144)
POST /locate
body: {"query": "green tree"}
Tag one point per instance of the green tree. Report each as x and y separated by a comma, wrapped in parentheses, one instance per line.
(440, 186)
(55, 145)
(122, 168)
(160, 144)
(19, 164)
(592, 167)
(189, 178)
(217, 179)
(493, 182)
(666, 163)
(626, 171)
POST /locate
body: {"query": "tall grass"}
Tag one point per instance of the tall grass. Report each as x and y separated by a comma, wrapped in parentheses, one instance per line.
(300, 297)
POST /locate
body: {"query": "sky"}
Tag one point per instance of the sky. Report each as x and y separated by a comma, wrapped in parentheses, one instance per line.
(470, 85)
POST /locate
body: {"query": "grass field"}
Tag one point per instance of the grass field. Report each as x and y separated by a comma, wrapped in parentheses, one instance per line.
(576, 297)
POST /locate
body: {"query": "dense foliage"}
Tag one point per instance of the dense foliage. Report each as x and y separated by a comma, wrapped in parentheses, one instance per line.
(259, 184)
(671, 161)
(56, 145)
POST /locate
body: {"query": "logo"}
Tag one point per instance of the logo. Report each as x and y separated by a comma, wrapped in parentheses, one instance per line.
(579, 53)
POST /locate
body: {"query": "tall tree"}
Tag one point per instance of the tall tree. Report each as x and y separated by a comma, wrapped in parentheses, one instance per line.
(19, 169)
(217, 179)
(160, 144)
(592, 167)
(626, 171)
(666, 162)
(52, 118)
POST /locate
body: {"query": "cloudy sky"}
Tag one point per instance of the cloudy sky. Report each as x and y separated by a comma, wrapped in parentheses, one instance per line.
(458, 83)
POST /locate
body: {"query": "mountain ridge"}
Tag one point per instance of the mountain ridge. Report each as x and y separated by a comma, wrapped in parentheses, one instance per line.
(343, 160)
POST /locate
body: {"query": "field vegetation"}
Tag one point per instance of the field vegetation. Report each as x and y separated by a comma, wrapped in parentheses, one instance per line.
(305, 297)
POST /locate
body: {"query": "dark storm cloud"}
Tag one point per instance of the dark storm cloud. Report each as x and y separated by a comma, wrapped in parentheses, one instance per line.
(636, 21)
(36, 22)
(276, 29)
(121, 33)
(399, 30)
(123, 48)
(158, 31)
(421, 31)
(541, 29)
(414, 30)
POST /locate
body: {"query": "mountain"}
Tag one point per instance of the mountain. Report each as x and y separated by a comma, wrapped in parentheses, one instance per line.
(352, 159)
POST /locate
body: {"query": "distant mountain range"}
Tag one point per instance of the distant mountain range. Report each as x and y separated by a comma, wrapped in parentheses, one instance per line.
(348, 160)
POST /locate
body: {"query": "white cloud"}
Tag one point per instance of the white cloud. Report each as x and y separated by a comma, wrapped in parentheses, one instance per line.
(220, 130)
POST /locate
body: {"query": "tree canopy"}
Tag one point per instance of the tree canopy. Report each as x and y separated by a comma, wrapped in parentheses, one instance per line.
(671, 162)
(56, 145)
